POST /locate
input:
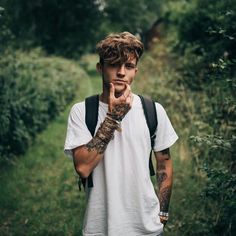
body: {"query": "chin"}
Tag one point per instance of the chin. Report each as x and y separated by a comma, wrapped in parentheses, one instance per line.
(119, 88)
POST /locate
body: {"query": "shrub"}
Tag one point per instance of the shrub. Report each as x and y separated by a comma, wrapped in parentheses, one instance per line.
(208, 62)
(34, 89)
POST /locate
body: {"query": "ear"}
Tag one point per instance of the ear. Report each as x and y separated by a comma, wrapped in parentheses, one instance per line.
(99, 67)
(136, 70)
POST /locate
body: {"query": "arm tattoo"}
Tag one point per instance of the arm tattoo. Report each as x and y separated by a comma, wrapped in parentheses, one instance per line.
(96, 144)
(161, 177)
(164, 197)
(103, 136)
(160, 166)
(119, 111)
(161, 173)
(164, 191)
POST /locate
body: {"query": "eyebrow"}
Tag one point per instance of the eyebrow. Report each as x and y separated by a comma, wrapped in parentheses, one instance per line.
(130, 64)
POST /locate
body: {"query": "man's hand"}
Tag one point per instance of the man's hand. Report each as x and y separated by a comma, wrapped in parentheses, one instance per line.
(119, 107)
(163, 220)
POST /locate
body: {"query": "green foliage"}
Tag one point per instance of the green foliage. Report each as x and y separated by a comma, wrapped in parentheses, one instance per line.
(60, 27)
(213, 212)
(206, 35)
(134, 16)
(195, 81)
(39, 194)
(72, 28)
(6, 35)
(206, 42)
(34, 89)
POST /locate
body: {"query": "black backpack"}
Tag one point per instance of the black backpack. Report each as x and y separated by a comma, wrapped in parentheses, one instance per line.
(91, 118)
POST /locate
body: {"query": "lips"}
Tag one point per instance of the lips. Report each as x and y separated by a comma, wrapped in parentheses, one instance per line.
(119, 82)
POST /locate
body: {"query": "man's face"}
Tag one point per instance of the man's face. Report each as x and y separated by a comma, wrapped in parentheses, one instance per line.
(118, 74)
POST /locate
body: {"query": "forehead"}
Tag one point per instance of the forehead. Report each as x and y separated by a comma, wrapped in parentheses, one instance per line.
(132, 59)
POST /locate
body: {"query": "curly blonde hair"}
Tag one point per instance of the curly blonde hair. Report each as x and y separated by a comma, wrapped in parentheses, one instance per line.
(118, 48)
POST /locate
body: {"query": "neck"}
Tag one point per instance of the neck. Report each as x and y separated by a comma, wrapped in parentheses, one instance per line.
(103, 98)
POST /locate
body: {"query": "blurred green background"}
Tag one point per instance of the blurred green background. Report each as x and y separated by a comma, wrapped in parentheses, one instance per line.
(47, 63)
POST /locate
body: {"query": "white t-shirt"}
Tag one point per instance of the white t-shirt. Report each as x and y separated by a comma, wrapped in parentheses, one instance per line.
(123, 201)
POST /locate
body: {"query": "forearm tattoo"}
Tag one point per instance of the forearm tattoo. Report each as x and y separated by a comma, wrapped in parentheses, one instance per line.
(161, 177)
(164, 191)
(164, 198)
(119, 112)
(103, 136)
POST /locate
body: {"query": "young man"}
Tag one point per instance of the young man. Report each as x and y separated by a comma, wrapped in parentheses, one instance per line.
(122, 201)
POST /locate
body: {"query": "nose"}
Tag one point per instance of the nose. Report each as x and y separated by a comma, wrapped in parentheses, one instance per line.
(121, 71)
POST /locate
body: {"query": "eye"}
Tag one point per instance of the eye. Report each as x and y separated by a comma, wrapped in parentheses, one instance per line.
(130, 66)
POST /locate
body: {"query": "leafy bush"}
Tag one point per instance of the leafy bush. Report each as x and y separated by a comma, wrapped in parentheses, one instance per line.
(198, 88)
(34, 89)
(208, 65)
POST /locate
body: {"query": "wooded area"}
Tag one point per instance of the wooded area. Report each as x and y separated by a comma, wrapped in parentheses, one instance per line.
(189, 67)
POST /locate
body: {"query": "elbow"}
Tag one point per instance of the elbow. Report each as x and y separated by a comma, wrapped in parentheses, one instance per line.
(82, 171)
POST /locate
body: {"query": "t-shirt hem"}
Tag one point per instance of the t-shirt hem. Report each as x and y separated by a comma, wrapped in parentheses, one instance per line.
(68, 149)
(171, 141)
(101, 234)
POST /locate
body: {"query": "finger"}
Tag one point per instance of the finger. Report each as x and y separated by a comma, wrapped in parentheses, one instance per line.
(111, 97)
(129, 100)
(132, 99)
(112, 91)
(128, 87)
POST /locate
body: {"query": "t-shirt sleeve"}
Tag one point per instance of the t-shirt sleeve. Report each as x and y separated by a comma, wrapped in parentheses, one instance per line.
(77, 131)
(165, 133)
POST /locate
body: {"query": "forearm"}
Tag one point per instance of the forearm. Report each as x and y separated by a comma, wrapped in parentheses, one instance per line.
(164, 172)
(165, 180)
(87, 157)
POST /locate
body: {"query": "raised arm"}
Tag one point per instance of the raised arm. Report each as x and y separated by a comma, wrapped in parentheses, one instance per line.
(87, 157)
(164, 172)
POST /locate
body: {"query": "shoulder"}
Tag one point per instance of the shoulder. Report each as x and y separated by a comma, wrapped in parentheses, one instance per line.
(159, 108)
(78, 108)
(161, 113)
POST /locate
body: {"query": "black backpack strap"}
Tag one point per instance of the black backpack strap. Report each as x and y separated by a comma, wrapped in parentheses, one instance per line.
(91, 112)
(91, 119)
(150, 113)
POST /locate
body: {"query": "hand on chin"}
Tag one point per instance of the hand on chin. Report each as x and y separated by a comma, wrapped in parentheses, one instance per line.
(119, 89)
